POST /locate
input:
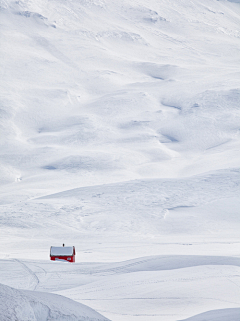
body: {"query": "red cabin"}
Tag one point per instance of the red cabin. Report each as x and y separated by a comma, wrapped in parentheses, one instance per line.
(66, 253)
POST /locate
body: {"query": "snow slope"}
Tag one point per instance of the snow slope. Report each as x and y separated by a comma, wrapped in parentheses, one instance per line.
(156, 288)
(217, 315)
(97, 92)
(36, 306)
(119, 134)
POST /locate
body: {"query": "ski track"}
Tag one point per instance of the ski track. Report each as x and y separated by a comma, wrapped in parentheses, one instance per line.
(33, 275)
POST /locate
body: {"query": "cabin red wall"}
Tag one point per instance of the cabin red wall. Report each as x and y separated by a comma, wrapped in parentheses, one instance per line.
(67, 258)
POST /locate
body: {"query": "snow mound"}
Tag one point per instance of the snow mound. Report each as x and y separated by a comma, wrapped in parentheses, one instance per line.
(37, 306)
(217, 315)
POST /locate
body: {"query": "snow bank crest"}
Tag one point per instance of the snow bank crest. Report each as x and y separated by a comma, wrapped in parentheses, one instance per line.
(36, 306)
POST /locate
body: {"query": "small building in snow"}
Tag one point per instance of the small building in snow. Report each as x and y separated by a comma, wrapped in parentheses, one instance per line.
(66, 253)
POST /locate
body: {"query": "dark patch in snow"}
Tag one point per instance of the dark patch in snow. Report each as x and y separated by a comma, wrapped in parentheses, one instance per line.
(157, 71)
(29, 14)
(169, 139)
(171, 106)
(49, 167)
(178, 207)
(155, 77)
(75, 164)
(196, 105)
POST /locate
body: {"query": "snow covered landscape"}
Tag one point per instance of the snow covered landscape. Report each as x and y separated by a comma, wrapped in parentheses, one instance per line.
(120, 135)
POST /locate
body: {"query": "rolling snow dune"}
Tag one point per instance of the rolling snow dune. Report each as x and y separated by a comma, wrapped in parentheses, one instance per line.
(217, 315)
(36, 306)
(119, 134)
(134, 289)
(93, 87)
(50, 276)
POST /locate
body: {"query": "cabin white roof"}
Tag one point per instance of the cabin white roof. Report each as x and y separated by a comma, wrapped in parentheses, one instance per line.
(61, 251)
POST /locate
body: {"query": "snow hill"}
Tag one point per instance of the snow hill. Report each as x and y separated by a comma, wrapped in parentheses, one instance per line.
(119, 134)
(36, 306)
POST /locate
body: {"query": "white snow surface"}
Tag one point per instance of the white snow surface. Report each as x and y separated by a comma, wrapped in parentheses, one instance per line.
(36, 306)
(218, 315)
(120, 135)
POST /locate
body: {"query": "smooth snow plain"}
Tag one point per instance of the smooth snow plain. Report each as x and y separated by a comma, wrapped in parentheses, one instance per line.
(120, 135)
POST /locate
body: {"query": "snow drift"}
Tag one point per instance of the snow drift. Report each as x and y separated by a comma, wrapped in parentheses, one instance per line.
(217, 315)
(119, 134)
(36, 306)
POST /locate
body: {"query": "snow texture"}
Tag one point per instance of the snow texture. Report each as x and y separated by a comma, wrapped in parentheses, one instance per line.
(217, 315)
(36, 306)
(119, 135)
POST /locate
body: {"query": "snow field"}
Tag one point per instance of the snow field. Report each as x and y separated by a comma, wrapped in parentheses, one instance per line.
(119, 134)
(171, 286)
(37, 306)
